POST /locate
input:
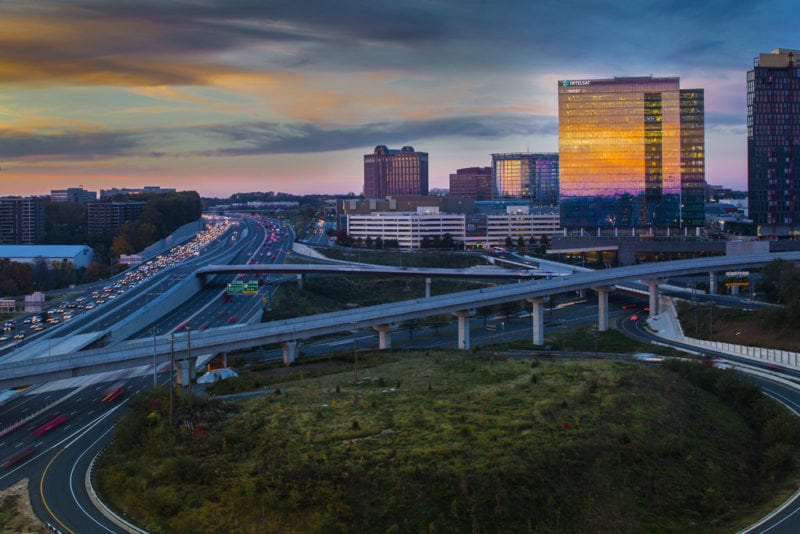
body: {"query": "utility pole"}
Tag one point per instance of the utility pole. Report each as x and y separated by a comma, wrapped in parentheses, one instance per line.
(154, 356)
(189, 360)
(171, 372)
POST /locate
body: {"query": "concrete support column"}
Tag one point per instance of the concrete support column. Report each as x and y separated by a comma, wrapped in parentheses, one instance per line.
(735, 290)
(300, 279)
(289, 352)
(463, 328)
(712, 283)
(653, 290)
(602, 307)
(185, 370)
(384, 336)
(538, 319)
(427, 287)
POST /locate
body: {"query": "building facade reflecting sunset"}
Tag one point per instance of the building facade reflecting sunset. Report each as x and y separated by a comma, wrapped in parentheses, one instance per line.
(632, 153)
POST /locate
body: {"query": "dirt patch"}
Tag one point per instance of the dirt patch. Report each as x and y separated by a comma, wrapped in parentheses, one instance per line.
(16, 513)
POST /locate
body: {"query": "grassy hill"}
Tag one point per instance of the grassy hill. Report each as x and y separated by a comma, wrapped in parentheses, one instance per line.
(453, 442)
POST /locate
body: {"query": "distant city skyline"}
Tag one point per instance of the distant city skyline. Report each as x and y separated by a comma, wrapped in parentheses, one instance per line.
(230, 96)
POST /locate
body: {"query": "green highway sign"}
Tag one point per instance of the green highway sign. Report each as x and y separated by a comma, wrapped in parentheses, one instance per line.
(250, 288)
(236, 287)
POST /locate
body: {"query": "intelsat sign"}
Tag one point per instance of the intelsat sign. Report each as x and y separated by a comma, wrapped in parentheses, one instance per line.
(574, 83)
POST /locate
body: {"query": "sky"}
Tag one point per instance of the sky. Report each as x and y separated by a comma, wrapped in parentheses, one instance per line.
(227, 96)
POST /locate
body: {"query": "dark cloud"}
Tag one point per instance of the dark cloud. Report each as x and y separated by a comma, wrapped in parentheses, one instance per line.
(271, 138)
(74, 145)
(267, 138)
(144, 41)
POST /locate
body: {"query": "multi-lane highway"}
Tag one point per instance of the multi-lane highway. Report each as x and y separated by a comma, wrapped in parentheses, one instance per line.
(50, 433)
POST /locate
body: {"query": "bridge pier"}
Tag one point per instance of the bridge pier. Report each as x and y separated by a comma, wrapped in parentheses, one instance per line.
(427, 287)
(463, 327)
(538, 319)
(301, 281)
(712, 283)
(602, 307)
(186, 371)
(653, 284)
(289, 352)
(384, 336)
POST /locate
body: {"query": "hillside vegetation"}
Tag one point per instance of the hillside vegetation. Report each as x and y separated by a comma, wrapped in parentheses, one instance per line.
(454, 442)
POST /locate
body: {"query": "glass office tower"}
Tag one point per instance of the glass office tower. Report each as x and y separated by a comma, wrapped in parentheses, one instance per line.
(528, 176)
(632, 153)
(773, 143)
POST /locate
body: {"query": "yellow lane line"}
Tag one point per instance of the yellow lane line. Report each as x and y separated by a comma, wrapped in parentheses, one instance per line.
(41, 492)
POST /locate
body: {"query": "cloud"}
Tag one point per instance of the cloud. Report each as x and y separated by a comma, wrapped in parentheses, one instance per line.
(70, 145)
(272, 138)
(263, 138)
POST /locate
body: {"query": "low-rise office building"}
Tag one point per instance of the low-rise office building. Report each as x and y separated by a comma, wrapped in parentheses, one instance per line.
(475, 230)
(409, 229)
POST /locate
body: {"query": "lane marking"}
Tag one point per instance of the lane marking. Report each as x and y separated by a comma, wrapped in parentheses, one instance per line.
(41, 492)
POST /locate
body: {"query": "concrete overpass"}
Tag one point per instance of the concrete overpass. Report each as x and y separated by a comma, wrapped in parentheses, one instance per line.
(382, 317)
(301, 270)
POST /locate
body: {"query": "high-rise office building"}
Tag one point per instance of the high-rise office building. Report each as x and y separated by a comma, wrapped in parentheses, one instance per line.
(21, 220)
(773, 142)
(525, 175)
(632, 153)
(395, 172)
(472, 182)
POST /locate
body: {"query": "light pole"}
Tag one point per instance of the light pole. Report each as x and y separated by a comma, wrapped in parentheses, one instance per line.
(171, 372)
(154, 356)
(355, 352)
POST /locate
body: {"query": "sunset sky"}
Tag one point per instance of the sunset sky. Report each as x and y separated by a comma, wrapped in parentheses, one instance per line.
(226, 96)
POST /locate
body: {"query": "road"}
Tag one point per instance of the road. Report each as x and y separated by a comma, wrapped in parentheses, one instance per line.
(50, 433)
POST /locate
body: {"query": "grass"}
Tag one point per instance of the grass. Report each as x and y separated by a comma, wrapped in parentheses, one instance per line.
(419, 258)
(443, 441)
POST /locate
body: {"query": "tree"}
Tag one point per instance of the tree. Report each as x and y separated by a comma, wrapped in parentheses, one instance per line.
(521, 244)
(447, 241)
(65, 223)
(509, 242)
(121, 245)
(95, 271)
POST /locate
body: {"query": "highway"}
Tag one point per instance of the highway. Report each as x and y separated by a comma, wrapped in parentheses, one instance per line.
(50, 433)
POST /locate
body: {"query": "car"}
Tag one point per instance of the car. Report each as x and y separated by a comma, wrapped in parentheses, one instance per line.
(19, 336)
(634, 318)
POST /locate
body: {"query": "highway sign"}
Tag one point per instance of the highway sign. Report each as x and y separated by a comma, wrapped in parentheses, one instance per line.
(236, 287)
(737, 278)
(250, 288)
